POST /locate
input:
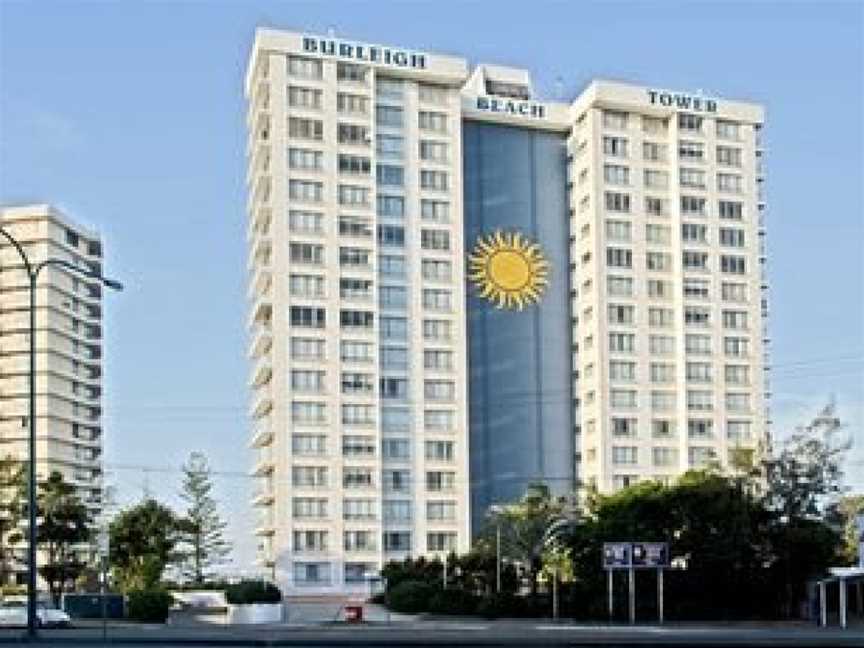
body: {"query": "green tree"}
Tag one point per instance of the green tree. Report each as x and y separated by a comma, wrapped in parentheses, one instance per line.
(11, 513)
(204, 529)
(144, 541)
(63, 526)
(842, 516)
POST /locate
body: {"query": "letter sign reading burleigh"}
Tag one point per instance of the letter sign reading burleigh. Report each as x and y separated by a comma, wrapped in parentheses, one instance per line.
(681, 101)
(512, 107)
(365, 53)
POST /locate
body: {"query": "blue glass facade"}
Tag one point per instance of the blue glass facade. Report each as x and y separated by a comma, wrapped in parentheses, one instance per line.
(520, 385)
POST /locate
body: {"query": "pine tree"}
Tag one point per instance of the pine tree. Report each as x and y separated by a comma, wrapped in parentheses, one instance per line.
(204, 525)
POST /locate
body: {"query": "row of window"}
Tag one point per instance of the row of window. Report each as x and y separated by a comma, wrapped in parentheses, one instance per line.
(312, 222)
(390, 297)
(693, 123)
(315, 445)
(395, 480)
(690, 206)
(318, 508)
(303, 159)
(392, 418)
(622, 231)
(312, 191)
(696, 400)
(352, 382)
(736, 430)
(622, 258)
(625, 371)
(315, 349)
(687, 150)
(620, 286)
(312, 130)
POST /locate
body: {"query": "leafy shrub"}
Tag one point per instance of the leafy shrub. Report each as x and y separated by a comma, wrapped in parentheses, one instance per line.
(453, 601)
(151, 605)
(410, 597)
(252, 591)
(498, 605)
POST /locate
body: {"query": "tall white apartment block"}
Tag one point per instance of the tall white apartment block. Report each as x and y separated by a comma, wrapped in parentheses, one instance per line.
(667, 256)
(395, 395)
(68, 349)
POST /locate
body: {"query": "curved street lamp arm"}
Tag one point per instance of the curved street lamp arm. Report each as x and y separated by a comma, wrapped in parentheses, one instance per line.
(20, 249)
(110, 283)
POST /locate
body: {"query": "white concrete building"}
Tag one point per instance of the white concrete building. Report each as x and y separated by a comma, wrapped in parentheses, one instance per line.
(619, 234)
(68, 349)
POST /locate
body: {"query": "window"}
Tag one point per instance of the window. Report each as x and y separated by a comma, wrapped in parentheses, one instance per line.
(390, 206)
(304, 98)
(310, 541)
(696, 261)
(615, 146)
(662, 429)
(304, 316)
(661, 344)
(624, 427)
(395, 419)
(433, 94)
(656, 207)
(614, 119)
(729, 156)
(432, 121)
(391, 236)
(699, 372)
(732, 264)
(395, 448)
(728, 130)
(435, 210)
(307, 349)
(656, 179)
(309, 445)
(354, 164)
(697, 316)
(438, 480)
(397, 541)
(351, 72)
(697, 344)
(309, 507)
(622, 371)
(355, 257)
(700, 428)
(738, 431)
(306, 191)
(434, 151)
(439, 390)
(441, 541)
(693, 233)
(654, 125)
(618, 175)
(357, 351)
(351, 195)
(698, 456)
(391, 146)
(736, 347)
(735, 319)
(392, 88)
(618, 230)
(389, 116)
(619, 258)
(358, 446)
(304, 68)
(309, 476)
(354, 226)
(352, 104)
(439, 450)
(438, 360)
(356, 289)
(394, 388)
(731, 237)
(660, 317)
(437, 270)
(691, 151)
(729, 182)
(353, 134)
(696, 288)
(730, 210)
(622, 342)
(659, 289)
(658, 234)
(391, 266)
(700, 400)
(664, 456)
(624, 455)
(692, 206)
(654, 152)
(305, 159)
(393, 328)
(357, 383)
(441, 510)
(619, 314)
(737, 374)
(734, 292)
(619, 202)
(658, 261)
(306, 285)
(692, 178)
(689, 122)
(305, 222)
(662, 373)
(437, 300)
(307, 381)
(622, 398)
(738, 402)
(439, 330)
(356, 319)
(662, 401)
(308, 129)
(435, 180)
(619, 286)
(394, 358)
(357, 477)
(438, 420)
(434, 239)
(388, 175)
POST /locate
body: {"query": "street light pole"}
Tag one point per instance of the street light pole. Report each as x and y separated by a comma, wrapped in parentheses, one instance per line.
(498, 558)
(32, 275)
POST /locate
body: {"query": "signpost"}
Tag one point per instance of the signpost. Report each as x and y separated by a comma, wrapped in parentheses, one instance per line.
(103, 545)
(632, 556)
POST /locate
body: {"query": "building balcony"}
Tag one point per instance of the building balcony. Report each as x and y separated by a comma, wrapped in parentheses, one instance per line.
(264, 461)
(262, 401)
(262, 435)
(259, 284)
(262, 371)
(262, 340)
(263, 496)
(265, 525)
(262, 312)
(260, 255)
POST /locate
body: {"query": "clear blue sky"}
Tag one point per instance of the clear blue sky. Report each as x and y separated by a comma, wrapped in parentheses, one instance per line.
(130, 116)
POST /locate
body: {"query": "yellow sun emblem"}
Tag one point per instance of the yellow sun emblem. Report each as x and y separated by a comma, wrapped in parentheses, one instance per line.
(508, 270)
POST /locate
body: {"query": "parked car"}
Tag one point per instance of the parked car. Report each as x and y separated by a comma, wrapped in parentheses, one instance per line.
(14, 613)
